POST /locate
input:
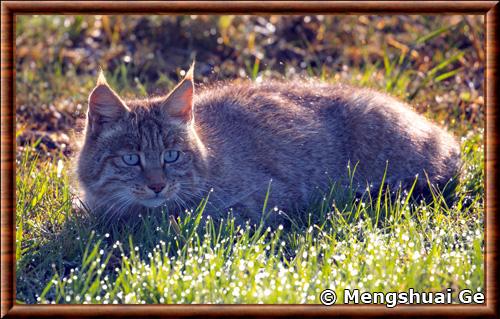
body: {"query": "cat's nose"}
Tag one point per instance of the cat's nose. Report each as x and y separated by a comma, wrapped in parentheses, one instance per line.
(157, 187)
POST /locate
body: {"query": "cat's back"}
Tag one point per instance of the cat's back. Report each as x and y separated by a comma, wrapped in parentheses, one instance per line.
(316, 127)
(267, 100)
(288, 112)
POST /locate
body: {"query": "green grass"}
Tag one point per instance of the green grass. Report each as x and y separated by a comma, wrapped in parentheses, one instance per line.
(373, 244)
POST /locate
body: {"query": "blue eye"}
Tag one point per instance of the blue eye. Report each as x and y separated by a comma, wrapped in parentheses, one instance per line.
(171, 156)
(131, 159)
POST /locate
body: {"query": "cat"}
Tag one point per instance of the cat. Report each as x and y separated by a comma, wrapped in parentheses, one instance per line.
(235, 140)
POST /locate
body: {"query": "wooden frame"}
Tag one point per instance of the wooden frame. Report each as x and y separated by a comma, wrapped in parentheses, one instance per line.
(490, 9)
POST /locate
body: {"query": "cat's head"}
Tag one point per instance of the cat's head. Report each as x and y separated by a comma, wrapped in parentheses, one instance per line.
(141, 152)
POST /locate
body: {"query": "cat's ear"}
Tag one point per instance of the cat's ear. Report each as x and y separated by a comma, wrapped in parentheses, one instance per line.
(179, 103)
(105, 106)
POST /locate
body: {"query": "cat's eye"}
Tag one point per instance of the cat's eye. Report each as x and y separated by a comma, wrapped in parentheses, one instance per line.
(131, 159)
(171, 156)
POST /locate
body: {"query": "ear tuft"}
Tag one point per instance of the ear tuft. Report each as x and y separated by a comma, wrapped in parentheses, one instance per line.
(190, 72)
(101, 79)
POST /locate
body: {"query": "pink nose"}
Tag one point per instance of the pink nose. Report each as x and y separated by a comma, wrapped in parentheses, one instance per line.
(157, 187)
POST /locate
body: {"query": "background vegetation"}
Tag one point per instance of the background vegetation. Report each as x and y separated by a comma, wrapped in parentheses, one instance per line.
(436, 63)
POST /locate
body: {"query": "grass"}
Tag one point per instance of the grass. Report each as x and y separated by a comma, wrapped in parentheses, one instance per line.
(373, 243)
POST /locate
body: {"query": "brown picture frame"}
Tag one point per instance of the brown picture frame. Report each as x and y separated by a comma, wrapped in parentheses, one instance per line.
(9, 9)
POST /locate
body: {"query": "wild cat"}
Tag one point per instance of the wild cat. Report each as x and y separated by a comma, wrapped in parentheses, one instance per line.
(235, 137)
